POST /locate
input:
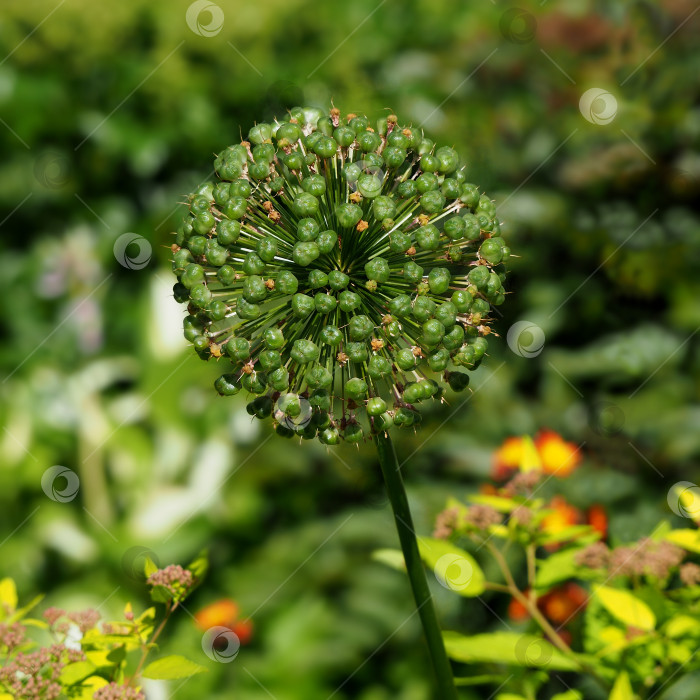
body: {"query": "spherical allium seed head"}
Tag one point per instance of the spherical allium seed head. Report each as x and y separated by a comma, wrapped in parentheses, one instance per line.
(351, 267)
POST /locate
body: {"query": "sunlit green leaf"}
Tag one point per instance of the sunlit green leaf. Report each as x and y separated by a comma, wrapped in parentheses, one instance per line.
(454, 568)
(507, 648)
(171, 667)
(626, 607)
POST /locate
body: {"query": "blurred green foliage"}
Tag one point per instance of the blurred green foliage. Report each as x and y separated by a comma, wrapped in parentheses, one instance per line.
(109, 115)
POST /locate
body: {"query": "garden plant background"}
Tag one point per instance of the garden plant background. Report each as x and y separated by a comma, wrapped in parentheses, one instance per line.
(581, 119)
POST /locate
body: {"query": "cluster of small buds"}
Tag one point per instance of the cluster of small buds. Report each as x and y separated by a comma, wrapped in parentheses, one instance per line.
(173, 577)
(85, 619)
(53, 615)
(689, 574)
(523, 483)
(645, 558)
(114, 691)
(35, 676)
(482, 517)
(446, 522)
(342, 269)
(11, 636)
(594, 556)
(522, 515)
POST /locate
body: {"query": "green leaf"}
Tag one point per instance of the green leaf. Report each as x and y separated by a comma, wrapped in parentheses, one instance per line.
(686, 538)
(682, 626)
(568, 695)
(499, 503)
(622, 690)
(72, 673)
(21, 612)
(149, 567)
(90, 685)
(557, 567)
(507, 648)
(161, 594)
(171, 667)
(626, 607)
(390, 557)
(483, 679)
(199, 567)
(454, 568)
(509, 696)
(582, 533)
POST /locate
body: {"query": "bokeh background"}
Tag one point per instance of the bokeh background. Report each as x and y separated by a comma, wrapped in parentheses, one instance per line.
(111, 112)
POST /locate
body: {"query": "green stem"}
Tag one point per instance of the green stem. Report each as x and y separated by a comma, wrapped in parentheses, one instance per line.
(416, 573)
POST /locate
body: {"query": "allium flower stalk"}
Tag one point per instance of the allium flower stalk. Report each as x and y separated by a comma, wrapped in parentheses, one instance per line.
(343, 274)
(339, 271)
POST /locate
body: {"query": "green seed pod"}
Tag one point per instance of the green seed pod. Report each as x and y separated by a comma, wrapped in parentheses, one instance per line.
(361, 327)
(412, 273)
(357, 352)
(405, 359)
(338, 280)
(378, 367)
(326, 241)
(428, 237)
(319, 378)
(325, 303)
(254, 383)
(227, 385)
(286, 282)
(302, 305)
(349, 301)
(356, 388)
(253, 265)
(439, 280)
(378, 270)
(307, 230)
(383, 208)
(423, 308)
(348, 215)
(305, 253)
(318, 279)
(305, 351)
(331, 335)
(227, 231)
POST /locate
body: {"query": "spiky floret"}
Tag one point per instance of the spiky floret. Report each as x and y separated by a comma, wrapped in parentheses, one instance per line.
(343, 270)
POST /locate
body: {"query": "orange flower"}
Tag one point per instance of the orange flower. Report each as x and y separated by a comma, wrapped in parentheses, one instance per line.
(564, 515)
(558, 456)
(517, 611)
(548, 452)
(224, 613)
(563, 603)
(507, 458)
(597, 518)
